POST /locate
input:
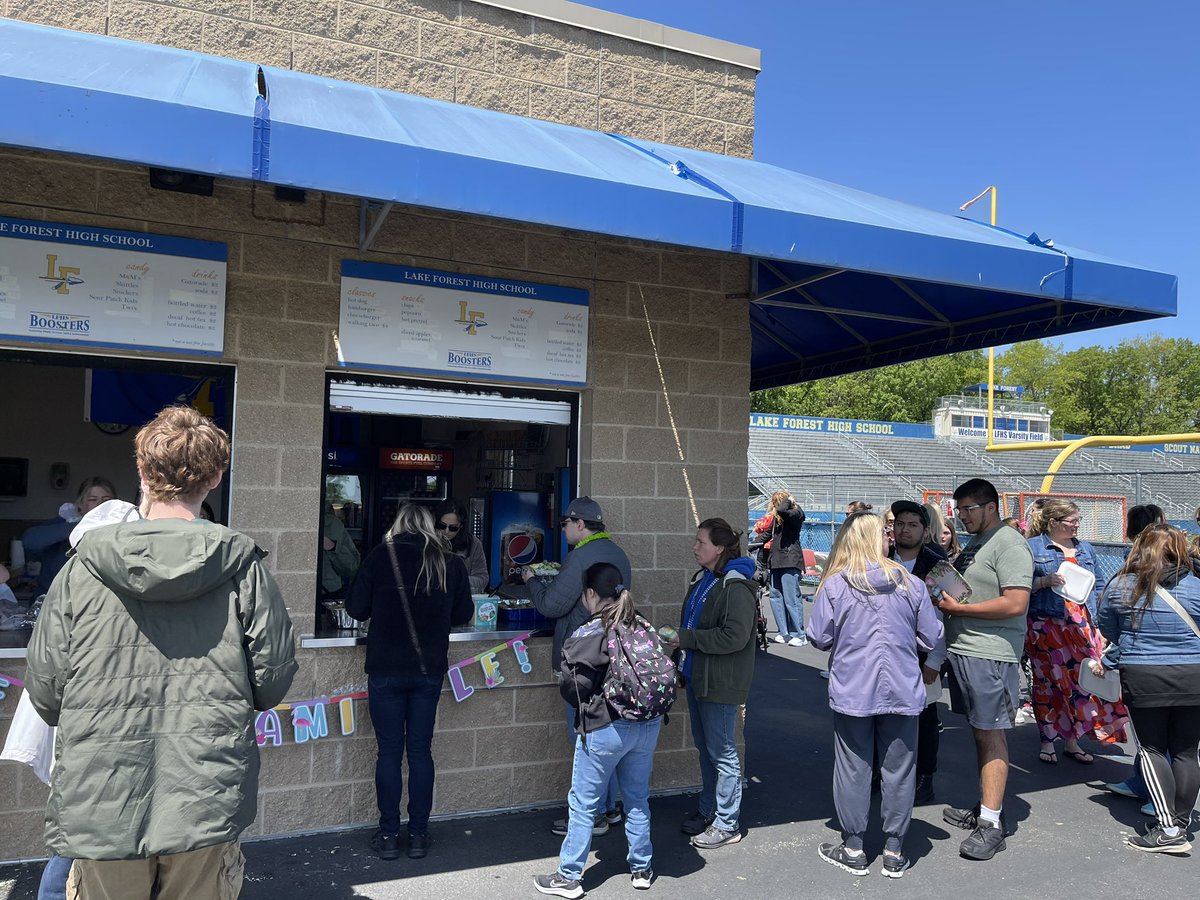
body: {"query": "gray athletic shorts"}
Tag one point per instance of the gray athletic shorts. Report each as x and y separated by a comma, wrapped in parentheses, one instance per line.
(985, 691)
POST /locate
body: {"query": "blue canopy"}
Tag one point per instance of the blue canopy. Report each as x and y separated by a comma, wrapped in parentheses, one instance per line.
(843, 280)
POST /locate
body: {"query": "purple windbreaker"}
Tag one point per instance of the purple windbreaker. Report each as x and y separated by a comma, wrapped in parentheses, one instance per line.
(873, 641)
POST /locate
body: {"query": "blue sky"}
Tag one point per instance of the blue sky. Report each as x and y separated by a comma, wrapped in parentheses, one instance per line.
(1086, 115)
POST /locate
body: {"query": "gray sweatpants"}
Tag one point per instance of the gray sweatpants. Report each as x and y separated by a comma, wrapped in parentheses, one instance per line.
(856, 739)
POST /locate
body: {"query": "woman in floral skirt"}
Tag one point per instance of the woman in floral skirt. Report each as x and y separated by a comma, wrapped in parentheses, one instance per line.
(1061, 635)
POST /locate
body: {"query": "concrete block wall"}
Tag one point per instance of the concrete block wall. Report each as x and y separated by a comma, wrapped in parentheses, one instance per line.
(456, 50)
(499, 748)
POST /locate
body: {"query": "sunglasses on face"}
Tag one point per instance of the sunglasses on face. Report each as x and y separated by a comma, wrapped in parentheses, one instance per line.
(442, 526)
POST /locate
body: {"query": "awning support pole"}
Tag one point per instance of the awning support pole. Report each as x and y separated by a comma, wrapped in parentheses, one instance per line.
(367, 235)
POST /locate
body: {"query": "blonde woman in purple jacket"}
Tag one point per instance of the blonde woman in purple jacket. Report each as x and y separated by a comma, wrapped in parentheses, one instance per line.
(872, 616)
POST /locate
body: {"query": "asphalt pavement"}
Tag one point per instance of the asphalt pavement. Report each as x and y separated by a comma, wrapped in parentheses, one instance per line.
(1069, 838)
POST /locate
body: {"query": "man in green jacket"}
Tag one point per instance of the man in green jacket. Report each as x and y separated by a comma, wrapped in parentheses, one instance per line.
(155, 645)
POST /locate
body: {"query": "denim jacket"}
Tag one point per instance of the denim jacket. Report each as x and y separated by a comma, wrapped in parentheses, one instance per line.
(1047, 557)
(1162, 638)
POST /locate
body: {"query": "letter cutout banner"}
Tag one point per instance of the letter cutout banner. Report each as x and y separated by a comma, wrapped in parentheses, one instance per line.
(309, 717)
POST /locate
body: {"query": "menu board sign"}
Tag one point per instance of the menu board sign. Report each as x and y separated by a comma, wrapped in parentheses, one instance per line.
(423, 320)
(75, 284)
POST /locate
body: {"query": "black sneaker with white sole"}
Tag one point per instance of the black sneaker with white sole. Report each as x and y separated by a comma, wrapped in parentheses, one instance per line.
(838, 855)
(894, 865)
(1156, 840)
(642, 879)
(557, 885)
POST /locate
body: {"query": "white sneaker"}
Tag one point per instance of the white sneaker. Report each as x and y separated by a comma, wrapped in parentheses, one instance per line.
(825, 674)
(797, 642)
(780, 639)
(643, 879)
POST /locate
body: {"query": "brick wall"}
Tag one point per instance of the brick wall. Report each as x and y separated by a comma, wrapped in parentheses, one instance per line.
(503, 747)
(464, 52)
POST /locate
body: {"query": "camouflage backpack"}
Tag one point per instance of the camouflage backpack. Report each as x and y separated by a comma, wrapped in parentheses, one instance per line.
(641, 679)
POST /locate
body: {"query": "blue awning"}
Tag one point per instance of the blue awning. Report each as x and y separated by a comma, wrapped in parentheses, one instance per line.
(844, 280)
(90, 95)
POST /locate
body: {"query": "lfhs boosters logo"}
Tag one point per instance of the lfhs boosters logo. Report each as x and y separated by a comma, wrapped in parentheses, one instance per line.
(468, 359)
(64, 279)
(473, 319)
(58, 323)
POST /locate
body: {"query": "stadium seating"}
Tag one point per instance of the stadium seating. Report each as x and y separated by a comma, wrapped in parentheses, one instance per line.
(825, 471)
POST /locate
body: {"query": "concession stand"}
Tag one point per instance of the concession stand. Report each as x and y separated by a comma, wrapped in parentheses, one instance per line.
(390, 298)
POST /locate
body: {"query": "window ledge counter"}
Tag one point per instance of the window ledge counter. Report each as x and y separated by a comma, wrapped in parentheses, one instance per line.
(352, 637)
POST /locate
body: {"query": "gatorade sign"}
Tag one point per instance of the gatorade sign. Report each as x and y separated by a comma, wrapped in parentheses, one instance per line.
(419, 459)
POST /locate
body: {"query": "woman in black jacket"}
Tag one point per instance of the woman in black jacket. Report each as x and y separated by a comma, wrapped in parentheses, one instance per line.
(787, 563)
(413, 590)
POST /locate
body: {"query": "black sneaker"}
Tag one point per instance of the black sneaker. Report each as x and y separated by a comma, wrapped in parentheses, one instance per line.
(894, 865)
(985, 841)
(1156, 840)
(643, 879)
(559, 886)
(838, 855)
(924, 791)
(616, 815)
(418, 846)
(714, 837)
(598, 828)
(386, 845)
(965, 819)
(696, 823)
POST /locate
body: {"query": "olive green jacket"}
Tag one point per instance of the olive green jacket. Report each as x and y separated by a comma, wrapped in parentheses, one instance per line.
(155, 645)
(723, 641)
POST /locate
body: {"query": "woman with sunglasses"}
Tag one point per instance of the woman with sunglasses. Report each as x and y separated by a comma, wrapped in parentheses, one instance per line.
(1061, 637)
(450, 520)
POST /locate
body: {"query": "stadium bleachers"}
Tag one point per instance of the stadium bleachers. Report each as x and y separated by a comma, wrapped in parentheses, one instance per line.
(824, 471)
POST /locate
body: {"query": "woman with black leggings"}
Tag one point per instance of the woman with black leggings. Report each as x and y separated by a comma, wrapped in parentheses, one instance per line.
(1158, 653)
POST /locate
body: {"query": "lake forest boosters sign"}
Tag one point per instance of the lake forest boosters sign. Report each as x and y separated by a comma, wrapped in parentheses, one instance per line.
(422, 320)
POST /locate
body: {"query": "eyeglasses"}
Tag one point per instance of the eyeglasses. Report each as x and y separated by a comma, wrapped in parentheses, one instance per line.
(442, 526)
(966, 509)
(1072, 522)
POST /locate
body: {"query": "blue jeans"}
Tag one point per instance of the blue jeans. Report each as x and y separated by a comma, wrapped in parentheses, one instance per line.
(714, 732)
(403, 710)
(54, 878)
(624, 749)
(612, 794)
(787, 606)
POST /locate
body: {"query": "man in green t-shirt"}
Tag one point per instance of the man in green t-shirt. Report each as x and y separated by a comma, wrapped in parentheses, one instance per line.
(985, 635)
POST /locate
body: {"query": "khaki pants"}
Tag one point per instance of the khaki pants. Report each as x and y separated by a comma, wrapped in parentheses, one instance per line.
(212, 873)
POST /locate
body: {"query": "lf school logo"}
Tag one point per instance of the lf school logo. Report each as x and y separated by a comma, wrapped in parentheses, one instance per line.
(468, 359)
(473, 319)
(66, 277)
(522, 549)
(58, 323)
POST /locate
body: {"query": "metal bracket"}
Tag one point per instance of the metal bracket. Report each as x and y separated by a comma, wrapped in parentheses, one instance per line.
(369, 230)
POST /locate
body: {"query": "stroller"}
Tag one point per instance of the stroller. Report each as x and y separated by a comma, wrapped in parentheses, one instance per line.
(762, 577)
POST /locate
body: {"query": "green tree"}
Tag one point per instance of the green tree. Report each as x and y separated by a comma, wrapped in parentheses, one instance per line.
(906, 393)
